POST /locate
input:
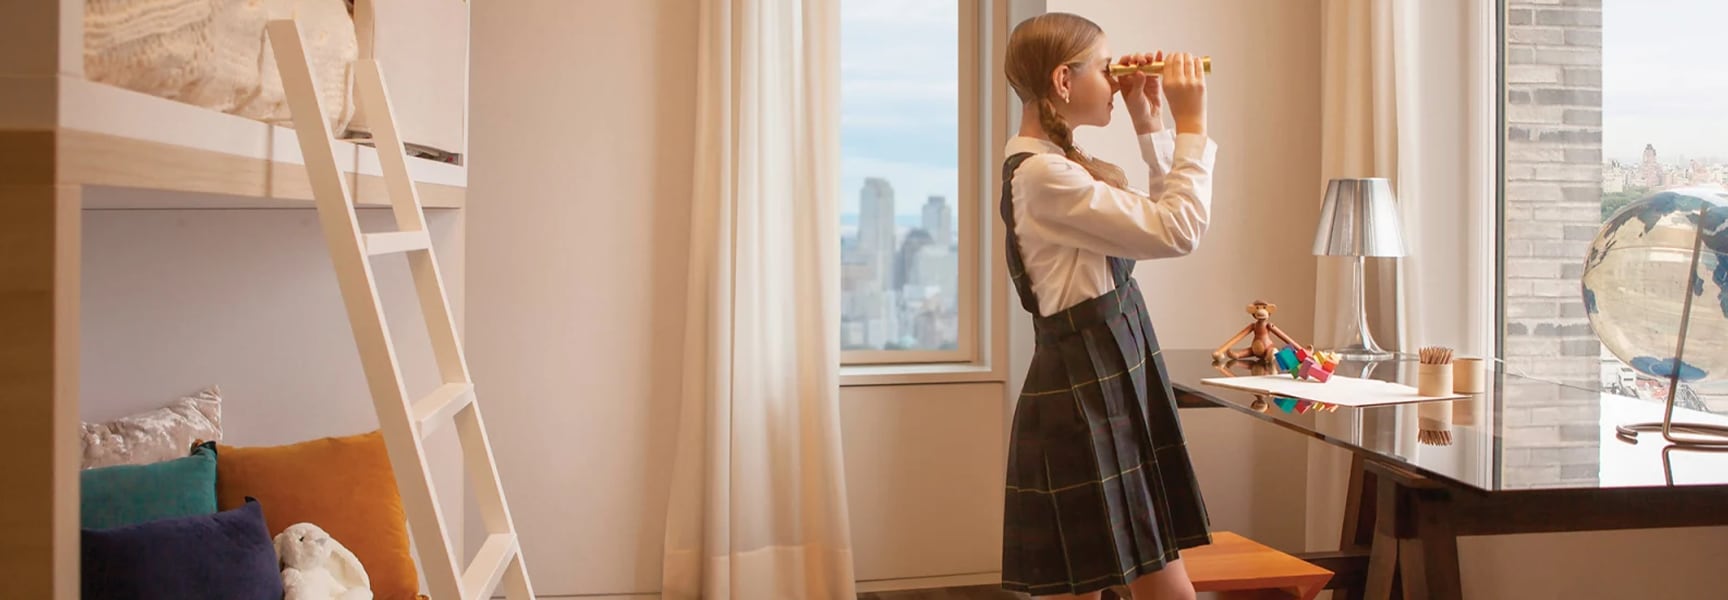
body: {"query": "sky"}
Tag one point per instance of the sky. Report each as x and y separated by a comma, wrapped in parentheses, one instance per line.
(1664, 79)
(1664, 83)
(899, 100)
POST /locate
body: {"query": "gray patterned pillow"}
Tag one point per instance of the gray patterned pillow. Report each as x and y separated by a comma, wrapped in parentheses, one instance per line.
(156, 435)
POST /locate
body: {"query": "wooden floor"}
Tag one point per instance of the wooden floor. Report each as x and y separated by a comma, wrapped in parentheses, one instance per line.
(1230, 564)
(980, 592)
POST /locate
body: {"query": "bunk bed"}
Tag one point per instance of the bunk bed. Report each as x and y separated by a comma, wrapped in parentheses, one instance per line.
(67, 140)
(88, 132)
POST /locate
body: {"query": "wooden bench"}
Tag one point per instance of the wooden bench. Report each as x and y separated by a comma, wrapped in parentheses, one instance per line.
(1236, 567)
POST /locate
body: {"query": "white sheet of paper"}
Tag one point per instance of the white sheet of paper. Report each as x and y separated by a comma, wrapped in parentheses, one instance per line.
(1340, 390)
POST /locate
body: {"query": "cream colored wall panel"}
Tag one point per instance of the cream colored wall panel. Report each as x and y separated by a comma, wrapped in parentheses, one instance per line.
(578, 234)
(924, 468)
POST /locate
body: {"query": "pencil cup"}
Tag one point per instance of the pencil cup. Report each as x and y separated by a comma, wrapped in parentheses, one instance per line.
(1434, 379)
(1468, 376)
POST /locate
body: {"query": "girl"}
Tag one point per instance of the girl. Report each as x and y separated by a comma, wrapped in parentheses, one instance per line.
(1100, 492)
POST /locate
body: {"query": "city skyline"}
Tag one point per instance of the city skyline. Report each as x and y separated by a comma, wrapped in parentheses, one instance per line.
(899, 282)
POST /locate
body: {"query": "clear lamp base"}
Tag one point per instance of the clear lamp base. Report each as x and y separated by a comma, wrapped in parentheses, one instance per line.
(1358, 352)
(1358, 343)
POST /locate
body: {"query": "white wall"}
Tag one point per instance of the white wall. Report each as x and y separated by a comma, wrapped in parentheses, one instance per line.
(174, 300)
(582, 120)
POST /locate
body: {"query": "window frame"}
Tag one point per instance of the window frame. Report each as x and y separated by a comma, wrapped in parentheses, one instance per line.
(1487, 61)
(981, 343)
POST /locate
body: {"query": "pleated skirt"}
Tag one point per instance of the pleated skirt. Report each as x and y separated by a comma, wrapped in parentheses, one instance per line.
(1099, 489)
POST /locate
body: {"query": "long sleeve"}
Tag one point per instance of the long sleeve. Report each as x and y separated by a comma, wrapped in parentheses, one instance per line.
(1069, 207)
(1158, 150)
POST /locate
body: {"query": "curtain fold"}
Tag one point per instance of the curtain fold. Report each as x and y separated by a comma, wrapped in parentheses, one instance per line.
(758, 500)
(1368, 129)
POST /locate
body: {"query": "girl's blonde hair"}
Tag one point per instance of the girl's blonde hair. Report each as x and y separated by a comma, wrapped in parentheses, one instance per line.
(1035, 49)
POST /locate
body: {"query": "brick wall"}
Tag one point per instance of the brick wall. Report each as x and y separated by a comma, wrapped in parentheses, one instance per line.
(1553, 162)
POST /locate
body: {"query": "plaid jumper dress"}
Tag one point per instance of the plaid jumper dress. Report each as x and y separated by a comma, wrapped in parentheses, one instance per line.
(1099, 486)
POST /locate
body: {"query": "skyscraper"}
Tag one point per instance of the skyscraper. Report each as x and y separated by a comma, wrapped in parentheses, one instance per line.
(876, 226)
(876, 245)
(939, 221)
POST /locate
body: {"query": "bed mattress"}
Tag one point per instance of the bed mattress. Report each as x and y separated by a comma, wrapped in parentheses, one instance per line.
(215, 53)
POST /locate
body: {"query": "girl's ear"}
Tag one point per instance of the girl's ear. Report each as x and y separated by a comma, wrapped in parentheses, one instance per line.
(1059, 80)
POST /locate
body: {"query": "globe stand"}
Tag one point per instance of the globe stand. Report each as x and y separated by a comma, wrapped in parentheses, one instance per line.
(1668, 463)
(1699, 435)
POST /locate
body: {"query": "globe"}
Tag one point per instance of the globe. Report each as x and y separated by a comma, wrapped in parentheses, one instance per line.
(1640, 274)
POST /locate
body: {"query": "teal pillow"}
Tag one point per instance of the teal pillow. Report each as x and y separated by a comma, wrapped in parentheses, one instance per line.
(130, 494)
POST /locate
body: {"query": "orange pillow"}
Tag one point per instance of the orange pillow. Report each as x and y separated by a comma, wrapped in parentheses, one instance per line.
(342, 484)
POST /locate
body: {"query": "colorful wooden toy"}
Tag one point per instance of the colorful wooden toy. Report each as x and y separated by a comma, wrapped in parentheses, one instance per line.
(1287, 359)
(1263, 336)
(1313, 364)
(1285, 404)
(1313, 370)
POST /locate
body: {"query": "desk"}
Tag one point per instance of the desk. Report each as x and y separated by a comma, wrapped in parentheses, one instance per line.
(1526, 456)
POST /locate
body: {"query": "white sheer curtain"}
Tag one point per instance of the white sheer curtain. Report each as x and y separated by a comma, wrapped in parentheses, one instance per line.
(1366, 131)
(1407, 93)
(758, 505)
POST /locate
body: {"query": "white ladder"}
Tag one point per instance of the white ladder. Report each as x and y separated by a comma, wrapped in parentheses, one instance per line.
(405, 424)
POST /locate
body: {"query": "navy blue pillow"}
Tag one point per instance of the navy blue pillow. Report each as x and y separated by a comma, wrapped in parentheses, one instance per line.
(226, 555)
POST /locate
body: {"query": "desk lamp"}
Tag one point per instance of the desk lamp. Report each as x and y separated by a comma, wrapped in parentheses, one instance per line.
(1359, 220)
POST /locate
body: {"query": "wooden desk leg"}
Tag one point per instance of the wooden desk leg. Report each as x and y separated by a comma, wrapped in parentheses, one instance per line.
(1359, 518)
(1383, 552)
(1414, 553)
(1428, 561)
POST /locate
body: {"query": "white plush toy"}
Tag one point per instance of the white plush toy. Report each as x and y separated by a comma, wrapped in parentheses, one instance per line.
(317, 567)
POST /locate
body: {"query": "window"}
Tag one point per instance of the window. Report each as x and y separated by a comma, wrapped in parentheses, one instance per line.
(908, 197)
(1605, 101)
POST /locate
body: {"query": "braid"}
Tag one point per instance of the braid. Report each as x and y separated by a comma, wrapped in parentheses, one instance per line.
(1057, 128)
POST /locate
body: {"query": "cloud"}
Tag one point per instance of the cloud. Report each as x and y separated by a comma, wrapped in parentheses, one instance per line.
(900, 12)
(1662, 78)
(899, 96)
(871, 92)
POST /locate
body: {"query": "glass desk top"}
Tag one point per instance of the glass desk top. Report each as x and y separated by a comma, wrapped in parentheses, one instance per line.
(1522, 433)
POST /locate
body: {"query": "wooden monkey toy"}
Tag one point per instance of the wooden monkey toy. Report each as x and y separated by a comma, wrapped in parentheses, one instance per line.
(1262, 346)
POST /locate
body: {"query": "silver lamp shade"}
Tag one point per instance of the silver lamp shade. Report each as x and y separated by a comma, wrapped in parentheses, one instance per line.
(1359, 218)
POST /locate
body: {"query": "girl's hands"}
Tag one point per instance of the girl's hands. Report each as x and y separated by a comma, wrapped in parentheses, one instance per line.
(1140, 94)
(1185, 86)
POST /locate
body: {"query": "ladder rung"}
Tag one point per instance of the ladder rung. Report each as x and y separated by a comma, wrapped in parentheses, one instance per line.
(441, 405)
(483, 575)
(390, 242)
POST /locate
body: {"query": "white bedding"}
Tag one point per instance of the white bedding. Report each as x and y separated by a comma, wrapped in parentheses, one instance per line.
(215, 53)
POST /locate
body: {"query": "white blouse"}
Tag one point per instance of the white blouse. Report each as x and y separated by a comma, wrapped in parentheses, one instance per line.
(1069, 223)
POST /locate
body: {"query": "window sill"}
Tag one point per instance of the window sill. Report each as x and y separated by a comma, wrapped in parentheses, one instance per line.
(925, 374)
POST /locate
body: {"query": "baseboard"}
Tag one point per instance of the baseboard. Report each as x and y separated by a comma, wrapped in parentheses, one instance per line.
(641, 596)
(864, 587)
(938, 581)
